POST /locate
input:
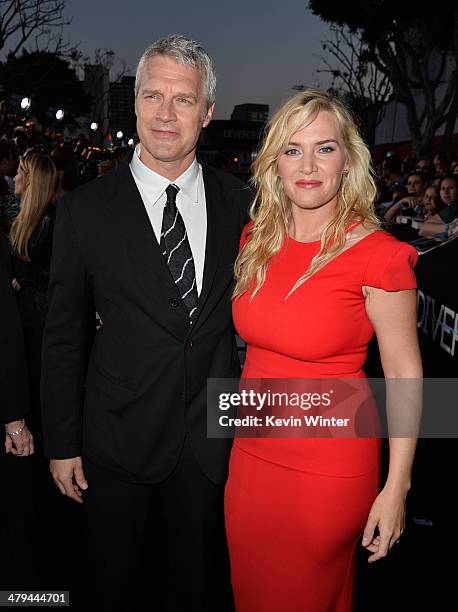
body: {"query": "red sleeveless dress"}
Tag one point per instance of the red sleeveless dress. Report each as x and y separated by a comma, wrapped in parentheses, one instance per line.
(296, 508)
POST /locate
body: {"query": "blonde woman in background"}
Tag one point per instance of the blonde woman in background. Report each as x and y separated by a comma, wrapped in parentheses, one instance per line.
(31, 243)
(316, 277)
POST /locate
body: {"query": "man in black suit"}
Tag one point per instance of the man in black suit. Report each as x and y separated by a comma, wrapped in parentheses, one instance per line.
(152, 246)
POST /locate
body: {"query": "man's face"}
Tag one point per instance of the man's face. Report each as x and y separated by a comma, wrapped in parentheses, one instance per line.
(171, 110)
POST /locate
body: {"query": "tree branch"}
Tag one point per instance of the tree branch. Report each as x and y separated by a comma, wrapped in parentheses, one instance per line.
(30, 18)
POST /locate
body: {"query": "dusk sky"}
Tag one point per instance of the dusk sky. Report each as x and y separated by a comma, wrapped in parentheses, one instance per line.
(261, 47)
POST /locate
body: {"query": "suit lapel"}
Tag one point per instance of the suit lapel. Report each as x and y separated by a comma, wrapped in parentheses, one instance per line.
(213, 244)
(215, 237)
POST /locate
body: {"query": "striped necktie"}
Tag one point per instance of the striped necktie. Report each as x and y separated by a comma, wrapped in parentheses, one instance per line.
(177, 252)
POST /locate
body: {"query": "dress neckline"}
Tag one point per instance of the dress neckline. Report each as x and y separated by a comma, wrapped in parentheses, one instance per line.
(290, 238)
(349, 227)
(341, 253)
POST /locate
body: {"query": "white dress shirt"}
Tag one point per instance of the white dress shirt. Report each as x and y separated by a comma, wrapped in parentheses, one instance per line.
(190, 202)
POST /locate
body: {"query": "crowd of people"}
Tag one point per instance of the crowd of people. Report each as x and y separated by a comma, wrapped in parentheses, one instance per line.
(425, 190)
(37, 172)
(77, 161)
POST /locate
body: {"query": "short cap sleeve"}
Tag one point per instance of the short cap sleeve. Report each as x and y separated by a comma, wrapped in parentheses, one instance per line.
(391, 268)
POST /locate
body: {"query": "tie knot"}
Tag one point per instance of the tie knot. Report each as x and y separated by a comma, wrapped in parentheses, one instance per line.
(171, 193)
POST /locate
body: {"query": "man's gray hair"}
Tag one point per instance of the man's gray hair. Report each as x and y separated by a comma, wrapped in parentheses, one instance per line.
(184, 51)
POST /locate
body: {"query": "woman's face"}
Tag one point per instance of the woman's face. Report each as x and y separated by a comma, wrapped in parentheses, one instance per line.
(312, 163)
(415, 185)
(449, 191)
(20, 182)
(423, 165)
(430, 200)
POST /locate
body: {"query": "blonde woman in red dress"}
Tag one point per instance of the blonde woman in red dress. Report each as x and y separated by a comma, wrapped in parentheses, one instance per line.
(316, 278)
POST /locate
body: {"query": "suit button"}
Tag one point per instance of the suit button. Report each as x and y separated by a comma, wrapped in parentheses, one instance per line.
(174, 302)
(182, 395)
(188, 344)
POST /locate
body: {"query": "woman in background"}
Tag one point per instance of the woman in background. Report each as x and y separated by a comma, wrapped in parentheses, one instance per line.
(432, 201)
(439, 222)
(31, 242)
(16, 441)
(14, 396)
(315, 278)
(448, 191)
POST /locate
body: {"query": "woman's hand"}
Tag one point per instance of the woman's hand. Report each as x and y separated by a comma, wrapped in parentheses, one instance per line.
(388, 515)
(16, 285)
(20, 445)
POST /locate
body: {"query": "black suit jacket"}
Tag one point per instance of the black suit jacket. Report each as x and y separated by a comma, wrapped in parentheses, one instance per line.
(14, 384)
(126, 402)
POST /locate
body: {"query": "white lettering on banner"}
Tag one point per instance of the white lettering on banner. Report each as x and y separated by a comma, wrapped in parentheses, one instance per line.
(446, 329)
(241, 134)
(430, 321)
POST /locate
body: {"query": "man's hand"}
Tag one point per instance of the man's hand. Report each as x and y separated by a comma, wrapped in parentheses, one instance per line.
(69, 477)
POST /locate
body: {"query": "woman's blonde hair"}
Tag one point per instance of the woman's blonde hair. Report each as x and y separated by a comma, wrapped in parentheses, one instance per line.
(40, 177)
(271, 208)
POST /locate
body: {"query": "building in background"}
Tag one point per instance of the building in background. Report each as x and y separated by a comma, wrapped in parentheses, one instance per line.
(122, 108)
(97, 85)
(231, 145)
(258, 113)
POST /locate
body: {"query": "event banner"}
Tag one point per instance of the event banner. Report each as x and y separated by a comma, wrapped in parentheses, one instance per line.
(437, 299)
